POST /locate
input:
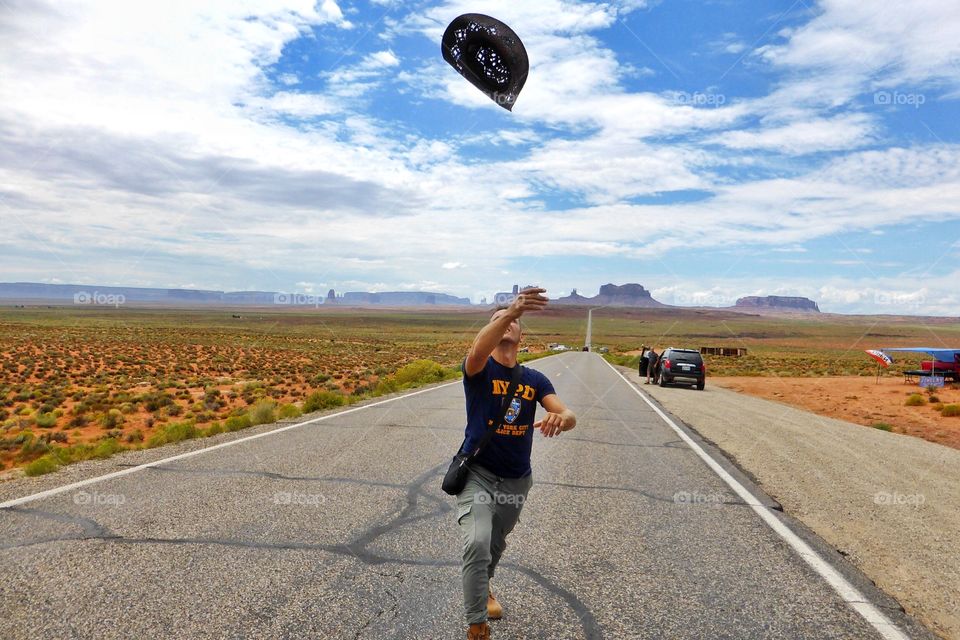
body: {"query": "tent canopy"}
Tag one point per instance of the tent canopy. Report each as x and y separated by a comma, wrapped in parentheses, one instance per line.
(943, 355)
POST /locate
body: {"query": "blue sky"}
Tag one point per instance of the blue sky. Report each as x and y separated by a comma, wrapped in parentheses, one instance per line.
(707, 150)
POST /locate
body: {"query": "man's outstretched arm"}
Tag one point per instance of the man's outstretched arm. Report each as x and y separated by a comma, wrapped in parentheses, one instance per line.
(491, 334)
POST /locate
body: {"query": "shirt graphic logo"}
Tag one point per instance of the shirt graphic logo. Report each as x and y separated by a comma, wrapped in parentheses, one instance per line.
(513, 411)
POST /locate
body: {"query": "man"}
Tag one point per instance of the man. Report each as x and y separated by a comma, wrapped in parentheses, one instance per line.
(500, 476)
(652, 361)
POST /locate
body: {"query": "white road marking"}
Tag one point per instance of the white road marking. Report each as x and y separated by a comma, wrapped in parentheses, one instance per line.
(850, 594)
(116, 474)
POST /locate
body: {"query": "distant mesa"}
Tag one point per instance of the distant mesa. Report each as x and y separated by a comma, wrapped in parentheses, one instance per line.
(777, 303)
(627, 295)
(395, 299)
(115, 296)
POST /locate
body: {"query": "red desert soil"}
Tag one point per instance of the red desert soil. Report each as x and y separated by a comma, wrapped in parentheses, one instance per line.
(860, 400)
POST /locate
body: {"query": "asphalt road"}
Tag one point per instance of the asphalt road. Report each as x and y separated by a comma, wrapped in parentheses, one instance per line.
(338, 529)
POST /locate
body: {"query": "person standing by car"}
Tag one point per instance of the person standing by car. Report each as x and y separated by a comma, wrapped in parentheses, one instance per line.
(652, 361)
(498, 480)
(643, 360)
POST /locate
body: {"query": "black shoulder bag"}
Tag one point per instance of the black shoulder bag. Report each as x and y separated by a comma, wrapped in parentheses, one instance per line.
(456, 477)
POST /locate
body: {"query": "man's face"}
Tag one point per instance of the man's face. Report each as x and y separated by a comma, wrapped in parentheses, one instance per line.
(513, 332)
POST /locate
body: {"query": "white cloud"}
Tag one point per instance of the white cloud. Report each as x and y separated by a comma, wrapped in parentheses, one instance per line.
(821, 134)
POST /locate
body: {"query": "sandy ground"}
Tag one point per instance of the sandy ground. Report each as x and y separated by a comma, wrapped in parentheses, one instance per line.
(860, 400)
(888, 501)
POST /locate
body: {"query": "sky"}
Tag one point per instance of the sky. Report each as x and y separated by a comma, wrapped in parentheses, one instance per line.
(706, 149)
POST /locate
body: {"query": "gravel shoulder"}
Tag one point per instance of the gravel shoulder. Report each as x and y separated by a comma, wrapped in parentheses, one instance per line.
(888, 502)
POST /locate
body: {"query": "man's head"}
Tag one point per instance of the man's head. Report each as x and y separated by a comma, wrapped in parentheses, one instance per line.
(514, 332)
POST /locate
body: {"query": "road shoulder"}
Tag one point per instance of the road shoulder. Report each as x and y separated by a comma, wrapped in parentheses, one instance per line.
(886, 502)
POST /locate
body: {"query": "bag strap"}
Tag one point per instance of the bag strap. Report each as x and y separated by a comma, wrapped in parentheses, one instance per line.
(511, 390)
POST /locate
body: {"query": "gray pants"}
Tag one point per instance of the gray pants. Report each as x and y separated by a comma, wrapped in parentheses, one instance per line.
(487, 510)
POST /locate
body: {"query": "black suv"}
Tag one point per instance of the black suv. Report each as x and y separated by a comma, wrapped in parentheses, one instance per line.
(681, 365)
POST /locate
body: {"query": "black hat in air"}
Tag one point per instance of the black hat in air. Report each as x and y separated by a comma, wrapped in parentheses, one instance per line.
(489, 54)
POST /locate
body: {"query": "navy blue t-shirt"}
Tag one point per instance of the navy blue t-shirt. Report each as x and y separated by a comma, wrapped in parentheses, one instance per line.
(508, 452)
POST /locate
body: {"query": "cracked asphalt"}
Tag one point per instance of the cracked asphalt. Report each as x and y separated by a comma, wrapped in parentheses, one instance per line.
(338, 529)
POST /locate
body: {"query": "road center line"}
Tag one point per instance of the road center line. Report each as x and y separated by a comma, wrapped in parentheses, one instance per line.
(850, 594)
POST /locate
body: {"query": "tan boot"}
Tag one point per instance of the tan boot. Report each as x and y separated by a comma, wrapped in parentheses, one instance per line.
(479, 631)
(494, 610)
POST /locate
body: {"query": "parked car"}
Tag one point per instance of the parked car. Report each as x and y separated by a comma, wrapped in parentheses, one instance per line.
(681, 366)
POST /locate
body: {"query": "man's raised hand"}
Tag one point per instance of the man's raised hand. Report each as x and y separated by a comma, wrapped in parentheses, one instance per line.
(531, 299)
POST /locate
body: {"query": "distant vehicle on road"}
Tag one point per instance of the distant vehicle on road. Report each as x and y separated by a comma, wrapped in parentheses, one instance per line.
(558, 347)
(683, 366)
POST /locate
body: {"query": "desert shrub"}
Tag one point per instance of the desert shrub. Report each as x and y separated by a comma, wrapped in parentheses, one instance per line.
(214, 429)
(46, 420)
(621, 359)
(211, 399)
(79, 420)
(288, 411)
(950, 410)
(933, 399)
(263, 413)
(135, 436)
(106, 448)
(235, 423)
(416, 373)
(883, 426)
(58, 436)
(174, 432)
(111, 419)
(915, 400)
(155, 401)
(42, 465)
(31, 446)
(319, 400)
(173, 410)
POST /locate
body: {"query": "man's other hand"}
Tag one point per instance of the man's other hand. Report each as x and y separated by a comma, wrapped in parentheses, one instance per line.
(552, 424)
